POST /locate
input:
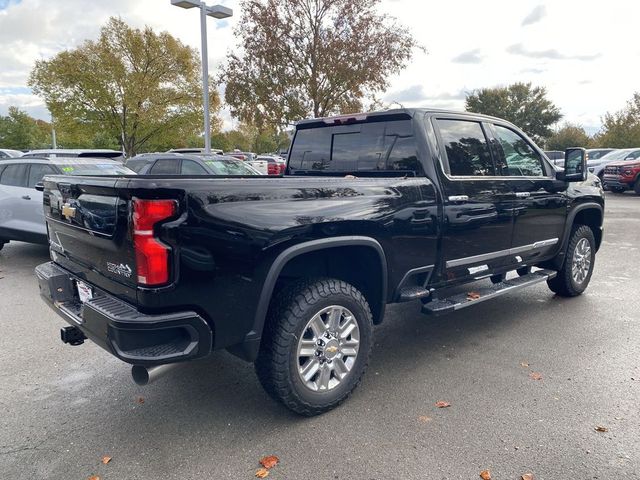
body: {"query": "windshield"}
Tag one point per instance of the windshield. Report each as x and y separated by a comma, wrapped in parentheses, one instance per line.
(95, 169)
(617, 154)
(230, 167)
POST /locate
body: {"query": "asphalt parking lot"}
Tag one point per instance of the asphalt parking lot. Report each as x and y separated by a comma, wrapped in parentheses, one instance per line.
(62, 408)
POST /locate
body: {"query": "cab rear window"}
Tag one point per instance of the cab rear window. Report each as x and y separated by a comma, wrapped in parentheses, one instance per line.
(364, 147)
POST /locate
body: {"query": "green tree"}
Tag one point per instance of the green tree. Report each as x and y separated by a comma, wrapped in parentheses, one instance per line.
(621, 129)
(131, 87)
(298, 58)
(568, 135)
(20, 131)
(523, 105)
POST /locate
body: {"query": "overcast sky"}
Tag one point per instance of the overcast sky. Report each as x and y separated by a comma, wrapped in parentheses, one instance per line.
(585, 52)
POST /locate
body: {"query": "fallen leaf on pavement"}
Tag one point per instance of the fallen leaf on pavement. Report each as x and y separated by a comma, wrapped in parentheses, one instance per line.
(485, 475)
(524, 364)
(262, 473)
(269, 462)
(535, 376)
(140, 400)
(442, 404)
(600, 428)
(94, 477)
(527, 476)
(473, 296)
(424, 419)
(106, 459)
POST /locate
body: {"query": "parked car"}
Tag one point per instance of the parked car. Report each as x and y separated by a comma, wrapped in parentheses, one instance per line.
(76, 153)
(242, 155)
(556, 156)
(292, 272)
(623, 174)
(184, 164)
(8, 153)
(194, 150)
(275, 165)
(21, 216)
(595, 160)
(625, 154)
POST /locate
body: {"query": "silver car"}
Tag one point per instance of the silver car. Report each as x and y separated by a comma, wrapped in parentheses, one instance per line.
(21, 213)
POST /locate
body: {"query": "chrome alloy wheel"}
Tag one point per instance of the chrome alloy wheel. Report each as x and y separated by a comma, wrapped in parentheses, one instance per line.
(328, 348)
(581, 262)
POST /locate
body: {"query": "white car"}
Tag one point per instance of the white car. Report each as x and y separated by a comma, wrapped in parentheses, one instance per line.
(21, 213)
(8, 153)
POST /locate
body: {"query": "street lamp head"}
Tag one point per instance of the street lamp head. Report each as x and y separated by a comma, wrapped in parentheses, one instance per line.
(218, 11)
(185, 3)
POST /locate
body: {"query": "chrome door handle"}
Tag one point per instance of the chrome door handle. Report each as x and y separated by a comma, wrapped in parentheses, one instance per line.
(459, 198)
(523, 194)
(26, 197)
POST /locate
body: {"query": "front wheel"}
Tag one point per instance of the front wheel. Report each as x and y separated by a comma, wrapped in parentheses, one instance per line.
(617, 190)
(636, 187)
(574, 276)
(315, 345)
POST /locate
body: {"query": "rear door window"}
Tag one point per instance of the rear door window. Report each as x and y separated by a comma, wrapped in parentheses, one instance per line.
(466, 147)
(165, 167)
(37, 171)
(189, 167)
(366, 147)
(14, 175)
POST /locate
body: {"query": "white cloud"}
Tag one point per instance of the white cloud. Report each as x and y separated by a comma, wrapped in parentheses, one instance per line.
(537, 14)
(579, 54)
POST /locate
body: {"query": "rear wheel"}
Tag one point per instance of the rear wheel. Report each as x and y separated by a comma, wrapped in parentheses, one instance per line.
(636, 187)
(617, 190)
(316, 345)
(522, 271)
(574, 276)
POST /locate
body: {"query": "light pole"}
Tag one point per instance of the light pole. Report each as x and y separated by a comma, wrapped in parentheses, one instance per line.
(215, 11)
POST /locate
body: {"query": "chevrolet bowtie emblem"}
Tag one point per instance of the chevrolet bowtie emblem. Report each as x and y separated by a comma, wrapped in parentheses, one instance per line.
(332, 349)
(68, 211)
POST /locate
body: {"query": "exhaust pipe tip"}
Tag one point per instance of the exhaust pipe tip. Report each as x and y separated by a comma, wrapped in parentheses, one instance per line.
(145, 375)
(140, 375)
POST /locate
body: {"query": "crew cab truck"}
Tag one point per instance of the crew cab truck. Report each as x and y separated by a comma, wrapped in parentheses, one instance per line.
(292, 272)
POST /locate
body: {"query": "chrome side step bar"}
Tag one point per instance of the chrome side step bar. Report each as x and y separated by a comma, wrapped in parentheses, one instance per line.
(441, 306)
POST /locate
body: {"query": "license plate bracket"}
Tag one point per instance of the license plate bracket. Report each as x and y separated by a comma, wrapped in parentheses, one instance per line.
(85, 292)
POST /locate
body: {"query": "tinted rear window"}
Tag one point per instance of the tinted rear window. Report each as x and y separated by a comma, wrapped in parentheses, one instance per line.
(366, 147)
(136, 165)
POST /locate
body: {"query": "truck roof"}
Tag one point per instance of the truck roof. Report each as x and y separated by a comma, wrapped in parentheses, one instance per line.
(399, 113)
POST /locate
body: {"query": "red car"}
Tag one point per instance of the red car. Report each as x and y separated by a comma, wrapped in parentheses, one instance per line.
(623, 175)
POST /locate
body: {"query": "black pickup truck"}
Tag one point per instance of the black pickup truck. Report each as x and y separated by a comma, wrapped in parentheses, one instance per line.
(292, 272)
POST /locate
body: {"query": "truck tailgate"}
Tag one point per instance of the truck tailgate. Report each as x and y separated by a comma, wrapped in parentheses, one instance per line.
(88, 225)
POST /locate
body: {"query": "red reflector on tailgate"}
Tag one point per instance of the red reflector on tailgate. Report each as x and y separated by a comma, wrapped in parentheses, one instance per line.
(152, 256)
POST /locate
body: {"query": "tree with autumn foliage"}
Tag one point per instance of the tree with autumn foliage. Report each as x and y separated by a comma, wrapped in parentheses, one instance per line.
(301, 58)
(520, 103)
(135, 87)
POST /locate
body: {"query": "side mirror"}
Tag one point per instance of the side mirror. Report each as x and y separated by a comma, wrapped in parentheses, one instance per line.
(39, 187)
(575, 165)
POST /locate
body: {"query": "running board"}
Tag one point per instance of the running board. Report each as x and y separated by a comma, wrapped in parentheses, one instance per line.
(441, 306)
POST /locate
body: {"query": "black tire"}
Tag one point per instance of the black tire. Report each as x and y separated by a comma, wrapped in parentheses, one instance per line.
(522, 271)
(617, 190)
(564, 284)
(278, 361)
(636, 187)
(2, 242)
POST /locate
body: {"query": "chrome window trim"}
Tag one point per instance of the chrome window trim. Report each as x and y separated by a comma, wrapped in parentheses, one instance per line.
(460, 178)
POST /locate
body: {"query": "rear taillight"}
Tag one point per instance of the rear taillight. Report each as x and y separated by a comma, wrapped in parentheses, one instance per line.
(273, 169)
(152, 256)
